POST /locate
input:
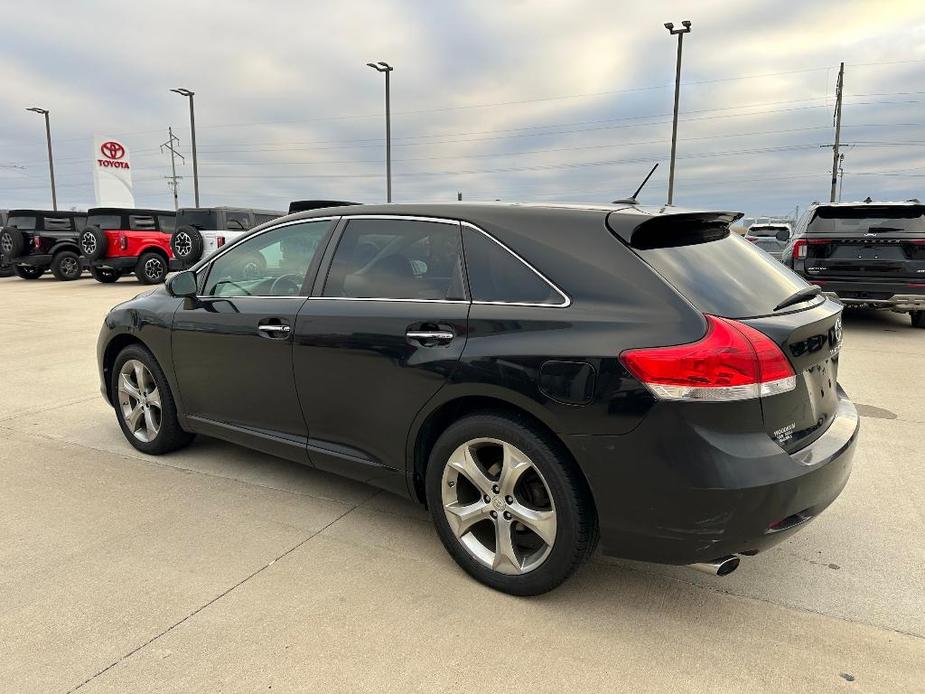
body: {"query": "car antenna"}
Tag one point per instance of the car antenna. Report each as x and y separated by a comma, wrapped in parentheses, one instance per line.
(631, 200)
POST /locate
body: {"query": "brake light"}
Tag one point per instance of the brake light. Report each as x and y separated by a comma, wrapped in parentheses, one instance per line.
(219, 241)
(799, 248)
(123, 242)
(731, 362)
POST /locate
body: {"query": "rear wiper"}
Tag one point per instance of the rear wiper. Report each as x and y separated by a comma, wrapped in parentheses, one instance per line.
(800, 296)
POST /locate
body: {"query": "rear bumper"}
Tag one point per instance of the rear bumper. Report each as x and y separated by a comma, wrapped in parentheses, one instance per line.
(898, 296)
(37, 260)
(123, 264)
(674, 493)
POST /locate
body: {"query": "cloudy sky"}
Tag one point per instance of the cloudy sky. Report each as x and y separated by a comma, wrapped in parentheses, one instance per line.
(523, 100)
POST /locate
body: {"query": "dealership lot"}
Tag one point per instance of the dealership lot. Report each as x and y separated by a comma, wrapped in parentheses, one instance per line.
(216, 568)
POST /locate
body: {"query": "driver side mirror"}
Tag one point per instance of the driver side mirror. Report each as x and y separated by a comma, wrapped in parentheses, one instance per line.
(783, 235)
(183, 284)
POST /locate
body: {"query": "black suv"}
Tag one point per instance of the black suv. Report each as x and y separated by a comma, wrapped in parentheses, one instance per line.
(34, 240)
(864, 253)
(538, 376)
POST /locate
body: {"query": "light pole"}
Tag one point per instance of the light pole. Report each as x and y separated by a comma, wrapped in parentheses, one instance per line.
(51, 163)
(386, 68)
(686, 27)
(192, 126)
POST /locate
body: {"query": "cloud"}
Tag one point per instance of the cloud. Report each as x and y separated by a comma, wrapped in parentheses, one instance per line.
(523, 100)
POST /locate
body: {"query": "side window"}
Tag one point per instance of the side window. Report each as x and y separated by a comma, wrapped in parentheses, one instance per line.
(238, 221)
(397, 259)
(273, 263)
(497, 276)
(141, 222)
(166, 223)
(58, 224)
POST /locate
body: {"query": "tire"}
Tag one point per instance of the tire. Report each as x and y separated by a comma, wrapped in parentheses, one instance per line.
(549, 485)
(29, 272)
(12, 242)
(93, 243)
(253, 266)
(6, 270)
(162, 417)
(65, 266)
(187, 244)
(918, 319)
(151, 268)
(105, 275)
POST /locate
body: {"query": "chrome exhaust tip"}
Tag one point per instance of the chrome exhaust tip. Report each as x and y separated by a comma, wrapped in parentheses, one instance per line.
(718, 567)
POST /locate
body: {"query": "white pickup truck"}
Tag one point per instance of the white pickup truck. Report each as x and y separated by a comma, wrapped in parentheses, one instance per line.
(201, 231)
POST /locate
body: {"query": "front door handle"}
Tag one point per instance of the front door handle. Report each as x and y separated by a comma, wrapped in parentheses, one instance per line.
(430, 337)
(277, 331)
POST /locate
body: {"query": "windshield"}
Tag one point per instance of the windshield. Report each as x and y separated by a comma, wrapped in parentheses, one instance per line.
(728, 277)
(26, 223)
(199, 219)
(105, 221)
(868, 218)
(765, 231)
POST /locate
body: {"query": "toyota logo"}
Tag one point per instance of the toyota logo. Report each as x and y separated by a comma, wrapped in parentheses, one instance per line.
(112, 150)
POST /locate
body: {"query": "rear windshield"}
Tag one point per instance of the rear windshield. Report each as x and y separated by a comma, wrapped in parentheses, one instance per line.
(765, 231)
(27, 223)
(105, 221)
(727, 277)
(868, 219)
(199, 219)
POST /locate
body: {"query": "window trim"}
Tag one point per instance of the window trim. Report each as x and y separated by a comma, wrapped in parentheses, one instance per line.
(312, 267)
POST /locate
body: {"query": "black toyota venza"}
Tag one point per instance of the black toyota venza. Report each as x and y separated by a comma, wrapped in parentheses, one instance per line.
(539, 376)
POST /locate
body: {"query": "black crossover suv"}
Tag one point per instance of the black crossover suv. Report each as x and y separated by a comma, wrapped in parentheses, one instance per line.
(541, 377)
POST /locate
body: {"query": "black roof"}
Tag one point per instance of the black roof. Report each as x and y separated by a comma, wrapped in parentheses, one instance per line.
(49, 213)
(129, 210)
(225, 208)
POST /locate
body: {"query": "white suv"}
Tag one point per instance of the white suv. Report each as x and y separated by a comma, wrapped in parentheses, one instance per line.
(201, 231)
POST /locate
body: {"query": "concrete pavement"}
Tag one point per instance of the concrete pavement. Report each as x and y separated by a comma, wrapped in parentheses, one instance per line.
(219, 569)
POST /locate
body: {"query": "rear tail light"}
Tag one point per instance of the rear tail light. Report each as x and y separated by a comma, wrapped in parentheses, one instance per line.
(123, 242)
(799, 248)
(731, 362)
(219, 241)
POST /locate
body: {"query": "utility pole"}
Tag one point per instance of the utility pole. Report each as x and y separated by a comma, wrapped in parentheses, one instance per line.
(385, 68)
(841, 174)
(192, 128)
(677, 97)
(51, 162)
(458, 197)
(839, 88)
(173, 180)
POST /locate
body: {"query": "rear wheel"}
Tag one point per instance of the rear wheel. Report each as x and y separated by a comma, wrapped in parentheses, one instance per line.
(918, 319)
(66, 266)
(28, 272)
(508, 504)
(105, 275)
(151, 268)
(6, 270)
(144, 404)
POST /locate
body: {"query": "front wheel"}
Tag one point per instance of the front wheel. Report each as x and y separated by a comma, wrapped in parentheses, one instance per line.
(66, 266)
(918, 319)
(28, 272)
(508, 504)
(151, 268)
(144, 404)
(105, 275)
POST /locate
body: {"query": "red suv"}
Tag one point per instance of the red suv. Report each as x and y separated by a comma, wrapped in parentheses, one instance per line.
(119, 240)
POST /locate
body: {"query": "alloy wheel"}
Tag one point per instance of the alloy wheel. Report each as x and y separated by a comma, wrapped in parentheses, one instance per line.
(139, 400)
(183, 244)
(70, 267)
(6, 244)
(154, 268)
(499, 506)
(88, 244)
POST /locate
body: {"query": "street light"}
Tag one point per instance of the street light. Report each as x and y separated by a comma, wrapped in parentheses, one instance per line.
(686, 27)
(192, 126)
(51, 164)
(386, 68)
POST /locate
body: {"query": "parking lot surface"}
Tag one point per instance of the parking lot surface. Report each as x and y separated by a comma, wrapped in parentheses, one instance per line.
(220, 569)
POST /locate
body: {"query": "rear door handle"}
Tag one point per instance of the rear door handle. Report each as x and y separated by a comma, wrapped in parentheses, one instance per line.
(277, 331)
(425, 337)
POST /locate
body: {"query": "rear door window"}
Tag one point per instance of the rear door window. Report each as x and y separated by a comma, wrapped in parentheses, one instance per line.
(166, 223)
(58, 224)
(496, 276)
(105, 221)
(138, 222)
(726, 277)
(397, 259)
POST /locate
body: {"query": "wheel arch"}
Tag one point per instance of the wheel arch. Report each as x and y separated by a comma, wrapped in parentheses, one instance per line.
(111, 351)
(429, 427)
(65, 246)
(154, 249)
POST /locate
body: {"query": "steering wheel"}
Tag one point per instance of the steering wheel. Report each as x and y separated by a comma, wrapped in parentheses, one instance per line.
(294, 281)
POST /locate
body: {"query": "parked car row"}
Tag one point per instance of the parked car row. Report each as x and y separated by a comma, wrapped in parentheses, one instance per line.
(111, 242)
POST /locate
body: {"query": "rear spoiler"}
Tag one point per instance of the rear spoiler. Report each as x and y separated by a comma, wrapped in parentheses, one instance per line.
(305, 205)
(671, 228)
